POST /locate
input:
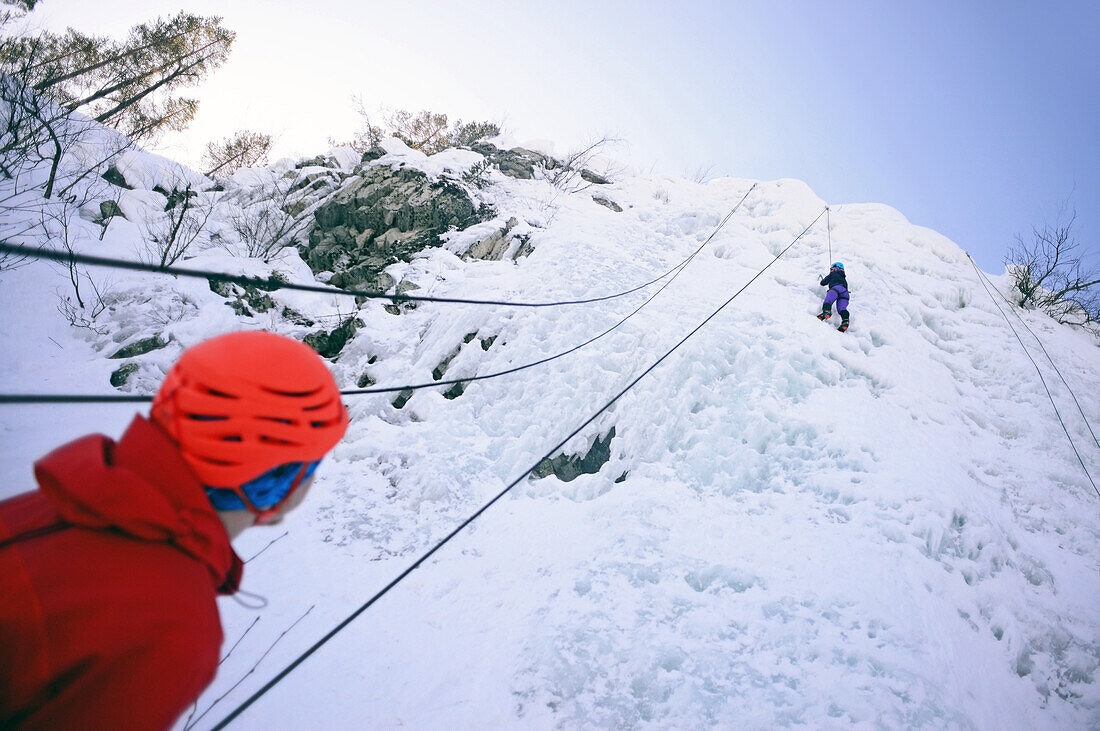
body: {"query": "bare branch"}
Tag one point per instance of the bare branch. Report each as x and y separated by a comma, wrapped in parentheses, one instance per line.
(1050, 274)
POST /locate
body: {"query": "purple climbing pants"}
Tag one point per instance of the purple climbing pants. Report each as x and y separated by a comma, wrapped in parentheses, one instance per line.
(839, 294)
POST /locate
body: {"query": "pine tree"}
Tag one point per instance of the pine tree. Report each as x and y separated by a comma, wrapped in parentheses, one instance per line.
(131, 85)
(244, 149)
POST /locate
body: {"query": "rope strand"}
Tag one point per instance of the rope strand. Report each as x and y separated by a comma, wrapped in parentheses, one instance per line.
(271, 284)
(1013, 308)
(332, 633)
(119, 398)
(1047, 388)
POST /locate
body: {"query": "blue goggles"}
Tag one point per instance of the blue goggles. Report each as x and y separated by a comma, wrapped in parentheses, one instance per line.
(265, 491)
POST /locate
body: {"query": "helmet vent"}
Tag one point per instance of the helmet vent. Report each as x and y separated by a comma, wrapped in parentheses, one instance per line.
(219, 394)
(293, 394)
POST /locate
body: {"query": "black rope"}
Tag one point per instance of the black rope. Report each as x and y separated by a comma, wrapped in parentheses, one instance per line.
(332, 633)
(1047, 388)
(271, 284)
(118, 398)
(679, 269)
(829, 228)
(1013, 308)
(75, 398)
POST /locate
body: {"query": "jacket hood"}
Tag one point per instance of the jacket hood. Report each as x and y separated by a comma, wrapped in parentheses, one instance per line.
(142, 487)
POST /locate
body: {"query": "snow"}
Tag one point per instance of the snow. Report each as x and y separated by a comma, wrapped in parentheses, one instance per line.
(346, 157)
(881, 528)
(145, 170)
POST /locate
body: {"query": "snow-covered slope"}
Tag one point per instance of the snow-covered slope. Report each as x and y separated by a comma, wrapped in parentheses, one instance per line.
(885, 527)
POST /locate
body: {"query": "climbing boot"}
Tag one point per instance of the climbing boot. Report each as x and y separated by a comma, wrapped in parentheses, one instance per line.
(826, 312)
(843, 322)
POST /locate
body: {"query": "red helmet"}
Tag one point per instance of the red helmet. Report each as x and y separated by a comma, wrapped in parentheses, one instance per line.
(241, 404)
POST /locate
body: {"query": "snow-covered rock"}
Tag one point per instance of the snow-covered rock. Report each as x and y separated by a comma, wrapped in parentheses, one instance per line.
(146, 171)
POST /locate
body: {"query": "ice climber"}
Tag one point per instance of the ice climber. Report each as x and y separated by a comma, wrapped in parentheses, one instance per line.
(838, 292)
(110, 569)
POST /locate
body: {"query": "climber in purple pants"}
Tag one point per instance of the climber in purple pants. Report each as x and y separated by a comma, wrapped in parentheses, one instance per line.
(838, 293)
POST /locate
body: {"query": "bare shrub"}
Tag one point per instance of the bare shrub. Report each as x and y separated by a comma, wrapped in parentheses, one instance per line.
(574, 175)
(1049, 274)
(88, 298)
(267, 225)
(701, 174)
(171, 237)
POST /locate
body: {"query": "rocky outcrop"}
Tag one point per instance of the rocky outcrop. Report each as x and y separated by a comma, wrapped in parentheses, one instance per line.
(243, 299)
(608, 203)
(329, 344)
(494, 246)
(568, 468)
(383, 215)
(109, 209)
(517, 162)
(123, 373)
(594, 178)
(141, 347)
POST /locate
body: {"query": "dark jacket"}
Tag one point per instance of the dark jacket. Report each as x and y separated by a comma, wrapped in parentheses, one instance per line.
(108, 578)
(834, 278)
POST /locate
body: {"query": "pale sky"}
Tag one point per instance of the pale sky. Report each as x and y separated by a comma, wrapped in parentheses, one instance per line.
(973, 118)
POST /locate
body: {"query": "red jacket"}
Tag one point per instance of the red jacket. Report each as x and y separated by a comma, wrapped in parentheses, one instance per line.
(108, 578)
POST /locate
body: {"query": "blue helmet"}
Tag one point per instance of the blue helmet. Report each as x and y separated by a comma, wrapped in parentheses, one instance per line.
(838, 265)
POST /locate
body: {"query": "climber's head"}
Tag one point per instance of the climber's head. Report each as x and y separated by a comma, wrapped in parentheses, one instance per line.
(253, 414)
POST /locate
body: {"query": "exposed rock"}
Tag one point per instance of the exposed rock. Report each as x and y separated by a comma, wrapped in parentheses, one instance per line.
(108, 210)
(494, 246)
(487, 343)
(383, 215)
(298, 206)
(594, 178)
(440, 369)
(402, 399)
(120, 376)
(317, 180)
(455, 391)
(246, 299)
(525, 247)
(568, 468)
(607, 203)
(366, 381)
(240, 308)
(114, 177)
(383, 281)
(220, 288)
(296, 317)
(517, 162)
(141, 347)
(329, 344)
(372, 154)
(175, 197)
(321, 161)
